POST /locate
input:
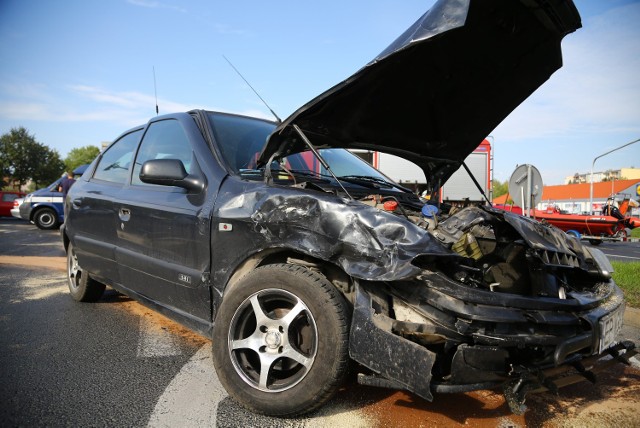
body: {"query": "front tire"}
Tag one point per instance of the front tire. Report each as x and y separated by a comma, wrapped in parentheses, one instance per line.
(280, 340)
(82, 287)
(46, 219)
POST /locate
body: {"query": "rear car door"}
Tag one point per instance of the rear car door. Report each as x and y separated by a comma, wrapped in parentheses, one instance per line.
(163, 232)
(90, 206)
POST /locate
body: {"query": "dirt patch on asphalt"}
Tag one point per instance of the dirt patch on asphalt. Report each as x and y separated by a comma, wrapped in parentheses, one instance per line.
(612, 402)
(58, 263)
(158, 321)
(476, 409)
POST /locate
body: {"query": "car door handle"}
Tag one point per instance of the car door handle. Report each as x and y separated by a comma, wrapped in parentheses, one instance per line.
(77, 202)
(124, 214)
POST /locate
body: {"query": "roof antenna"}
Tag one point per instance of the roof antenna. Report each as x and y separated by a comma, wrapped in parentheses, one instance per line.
(155, 90)
(254, 91)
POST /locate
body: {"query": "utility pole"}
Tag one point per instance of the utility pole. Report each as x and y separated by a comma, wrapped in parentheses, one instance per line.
(594, 162)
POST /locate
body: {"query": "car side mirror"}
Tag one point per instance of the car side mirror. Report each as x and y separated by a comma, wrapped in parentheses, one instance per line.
(170, 172)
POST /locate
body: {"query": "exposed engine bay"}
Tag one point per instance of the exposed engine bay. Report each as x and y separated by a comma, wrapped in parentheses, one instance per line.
(495, 257)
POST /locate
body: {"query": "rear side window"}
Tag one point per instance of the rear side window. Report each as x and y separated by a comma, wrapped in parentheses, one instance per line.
(9, 197)
(115, 162)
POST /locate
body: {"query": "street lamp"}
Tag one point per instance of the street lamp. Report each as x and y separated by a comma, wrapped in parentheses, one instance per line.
(594, 162)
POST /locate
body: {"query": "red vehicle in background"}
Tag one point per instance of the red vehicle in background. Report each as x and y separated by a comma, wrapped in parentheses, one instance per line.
(6, 201)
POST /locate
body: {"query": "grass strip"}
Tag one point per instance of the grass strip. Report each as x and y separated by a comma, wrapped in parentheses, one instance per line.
(627, 276)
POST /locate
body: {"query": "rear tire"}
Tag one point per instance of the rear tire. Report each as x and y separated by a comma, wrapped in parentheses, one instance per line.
(280, 340)
(46, 219)
(82, 287)
(595, 241)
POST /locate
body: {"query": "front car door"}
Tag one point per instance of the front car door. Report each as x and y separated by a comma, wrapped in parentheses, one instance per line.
(164, 232)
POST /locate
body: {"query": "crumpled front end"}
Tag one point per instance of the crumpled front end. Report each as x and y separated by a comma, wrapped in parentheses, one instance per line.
(524, 307)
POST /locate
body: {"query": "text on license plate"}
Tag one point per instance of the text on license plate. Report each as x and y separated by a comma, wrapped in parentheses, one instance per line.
(610, 326)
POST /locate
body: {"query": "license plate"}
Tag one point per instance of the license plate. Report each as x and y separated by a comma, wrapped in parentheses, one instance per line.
(610, 326)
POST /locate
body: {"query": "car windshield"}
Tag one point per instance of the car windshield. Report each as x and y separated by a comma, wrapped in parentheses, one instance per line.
(241, 140)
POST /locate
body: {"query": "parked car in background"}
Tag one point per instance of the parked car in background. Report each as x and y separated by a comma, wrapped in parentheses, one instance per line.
(44, 207)
(15, 210)
(6, 201)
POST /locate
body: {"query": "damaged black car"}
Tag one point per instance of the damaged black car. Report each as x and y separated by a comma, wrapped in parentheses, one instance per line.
(295, 256)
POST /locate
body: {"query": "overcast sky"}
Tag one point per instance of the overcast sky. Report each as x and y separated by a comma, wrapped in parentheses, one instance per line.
(80, 72)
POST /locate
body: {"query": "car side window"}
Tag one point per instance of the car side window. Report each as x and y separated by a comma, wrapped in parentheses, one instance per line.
(165, 139)
(115, 162)
(9, 197)
(240, 139)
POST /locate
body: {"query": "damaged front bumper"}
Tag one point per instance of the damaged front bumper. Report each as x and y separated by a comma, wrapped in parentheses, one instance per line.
(466, 360)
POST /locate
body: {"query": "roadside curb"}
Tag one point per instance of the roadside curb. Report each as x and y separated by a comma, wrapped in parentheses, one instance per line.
(632, 317)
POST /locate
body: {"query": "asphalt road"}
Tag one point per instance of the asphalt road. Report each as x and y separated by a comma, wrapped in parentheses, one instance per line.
(621, 251)
(69, 364)
(110, 363)
(116, 363)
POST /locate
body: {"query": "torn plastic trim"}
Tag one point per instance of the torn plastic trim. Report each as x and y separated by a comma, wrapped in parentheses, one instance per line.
(497, 313)
(576, 301)
(405, 364)
(566, 331)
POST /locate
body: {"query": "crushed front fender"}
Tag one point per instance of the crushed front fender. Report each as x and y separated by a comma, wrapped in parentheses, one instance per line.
(397, 362)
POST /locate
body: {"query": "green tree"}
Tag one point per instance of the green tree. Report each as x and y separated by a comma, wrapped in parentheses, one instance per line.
(80, 156)
(500, 188)
(22, 158)
(51, 167)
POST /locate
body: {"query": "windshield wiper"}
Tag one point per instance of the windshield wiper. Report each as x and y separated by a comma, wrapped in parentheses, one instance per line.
(307, 173)
(297, 172)
(376, 182)
(304, 173)
(251, 171)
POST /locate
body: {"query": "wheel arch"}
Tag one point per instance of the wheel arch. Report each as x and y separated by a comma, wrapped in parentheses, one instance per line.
(334, 273)
(65, 238)
(48, 210)
(36, 208)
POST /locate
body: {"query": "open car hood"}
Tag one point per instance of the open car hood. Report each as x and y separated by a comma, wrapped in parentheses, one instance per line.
(439, 89)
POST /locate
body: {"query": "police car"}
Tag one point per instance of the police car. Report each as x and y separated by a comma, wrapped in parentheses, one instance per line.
(44, 207)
